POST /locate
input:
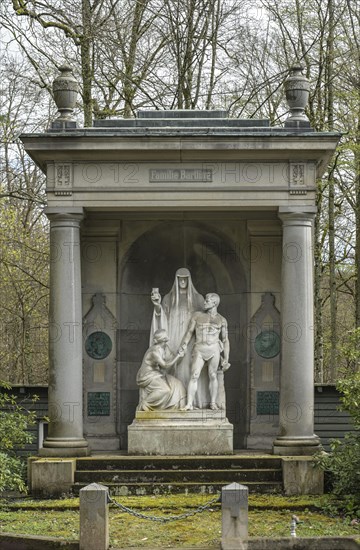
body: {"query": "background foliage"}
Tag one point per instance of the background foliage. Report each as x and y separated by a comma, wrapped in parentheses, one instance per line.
(14, 423)
(343, 462)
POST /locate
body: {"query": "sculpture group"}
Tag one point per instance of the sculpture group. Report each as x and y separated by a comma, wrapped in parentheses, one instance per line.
(189, 346)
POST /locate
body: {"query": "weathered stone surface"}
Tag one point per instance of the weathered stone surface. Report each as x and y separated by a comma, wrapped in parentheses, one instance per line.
(296, 416)
(234, 517)
(99, 324)
(65, 90)
(186, 122)
(183, 113)
(52, 477)
(27, 542)
(94, 517)
(9, 541)
(265, 329)
(197, 432)
(65, 435)
(297, 88)
(304, 543)
(301, 477)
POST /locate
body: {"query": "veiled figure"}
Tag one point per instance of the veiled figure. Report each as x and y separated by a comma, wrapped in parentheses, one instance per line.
(157, 388)
(173, 314)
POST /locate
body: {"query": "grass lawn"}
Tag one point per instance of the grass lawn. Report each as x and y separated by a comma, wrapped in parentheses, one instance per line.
(269, 516)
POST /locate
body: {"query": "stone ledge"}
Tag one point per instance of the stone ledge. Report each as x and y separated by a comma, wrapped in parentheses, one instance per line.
(28, 542)
(180, 433)
(9, 541)
(197, 418)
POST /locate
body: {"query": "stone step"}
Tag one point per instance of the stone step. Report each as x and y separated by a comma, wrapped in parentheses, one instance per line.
(177, 463)
(136, 475)
(129, 489)
(179, 476)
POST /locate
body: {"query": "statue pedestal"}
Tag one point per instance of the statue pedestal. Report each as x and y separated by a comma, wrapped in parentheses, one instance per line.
(175, 432)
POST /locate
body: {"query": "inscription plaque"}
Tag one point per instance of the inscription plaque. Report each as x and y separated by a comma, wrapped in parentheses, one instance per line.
(98, 345)
(98, 403)
(267, 344)
(267, 402)
(180, 175)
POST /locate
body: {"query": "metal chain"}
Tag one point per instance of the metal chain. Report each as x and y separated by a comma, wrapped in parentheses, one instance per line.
(167, 519)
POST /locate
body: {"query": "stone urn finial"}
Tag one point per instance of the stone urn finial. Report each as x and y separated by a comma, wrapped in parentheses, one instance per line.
(297, 88)
(65, 89)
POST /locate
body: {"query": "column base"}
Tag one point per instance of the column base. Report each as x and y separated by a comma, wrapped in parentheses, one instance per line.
(58, 447)
(296, 446)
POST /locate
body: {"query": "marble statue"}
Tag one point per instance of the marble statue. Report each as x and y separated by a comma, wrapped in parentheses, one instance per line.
(157, 388)
(173, 314)
(211, 348)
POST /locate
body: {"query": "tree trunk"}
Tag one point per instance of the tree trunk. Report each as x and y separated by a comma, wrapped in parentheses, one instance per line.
(129, 86)
(357, 221)
(319, 342)
(332, 252)
(86, 63)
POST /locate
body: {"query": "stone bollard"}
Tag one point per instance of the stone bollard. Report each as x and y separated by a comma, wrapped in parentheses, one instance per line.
(94, 517)
(234, 517)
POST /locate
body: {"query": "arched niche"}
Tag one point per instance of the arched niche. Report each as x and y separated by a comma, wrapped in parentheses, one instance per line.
(216, 263)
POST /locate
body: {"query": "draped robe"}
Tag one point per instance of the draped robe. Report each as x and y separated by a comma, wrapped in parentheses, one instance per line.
(177, 308)
(157, 388)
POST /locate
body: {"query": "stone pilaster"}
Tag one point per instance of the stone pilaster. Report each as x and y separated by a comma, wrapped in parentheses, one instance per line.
(296, 436)
(65, 437)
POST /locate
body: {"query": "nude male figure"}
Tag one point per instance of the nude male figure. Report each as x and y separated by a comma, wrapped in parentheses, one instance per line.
(211, 339)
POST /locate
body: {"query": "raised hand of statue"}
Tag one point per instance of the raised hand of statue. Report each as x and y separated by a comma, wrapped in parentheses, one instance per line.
(155, 297)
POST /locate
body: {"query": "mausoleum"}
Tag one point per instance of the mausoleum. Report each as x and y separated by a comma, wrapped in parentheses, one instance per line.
(130, 202)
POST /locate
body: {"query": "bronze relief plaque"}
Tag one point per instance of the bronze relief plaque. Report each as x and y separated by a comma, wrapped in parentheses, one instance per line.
(98, 345)
(267, 344)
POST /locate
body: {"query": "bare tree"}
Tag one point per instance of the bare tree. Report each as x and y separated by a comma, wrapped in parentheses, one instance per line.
(79, 21)
(24, 255)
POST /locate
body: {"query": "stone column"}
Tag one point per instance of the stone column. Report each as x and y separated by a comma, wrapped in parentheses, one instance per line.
(65, 437)
(296, 435)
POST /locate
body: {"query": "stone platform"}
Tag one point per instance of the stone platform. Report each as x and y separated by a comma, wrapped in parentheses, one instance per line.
(126, 474)
(174, 432)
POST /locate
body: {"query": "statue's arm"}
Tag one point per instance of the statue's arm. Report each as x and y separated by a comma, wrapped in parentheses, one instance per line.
(156, 300)
(165, 362)
(171, 358)
(188, 334)
(226, 344)
(158, 360)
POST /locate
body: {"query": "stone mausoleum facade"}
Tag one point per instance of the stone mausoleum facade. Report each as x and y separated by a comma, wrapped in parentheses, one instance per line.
(132, 200)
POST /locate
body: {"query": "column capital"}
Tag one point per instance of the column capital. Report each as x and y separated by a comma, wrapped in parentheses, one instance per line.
(64, 214)
(298, 214)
